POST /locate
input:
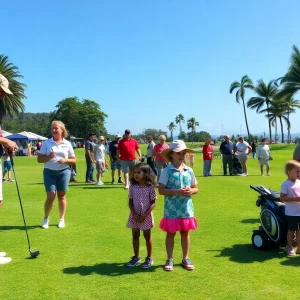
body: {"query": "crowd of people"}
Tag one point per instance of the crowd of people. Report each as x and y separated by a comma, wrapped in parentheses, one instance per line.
(165, 168)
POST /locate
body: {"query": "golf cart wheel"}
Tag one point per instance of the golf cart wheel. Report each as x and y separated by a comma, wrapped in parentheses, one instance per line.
(260, 240)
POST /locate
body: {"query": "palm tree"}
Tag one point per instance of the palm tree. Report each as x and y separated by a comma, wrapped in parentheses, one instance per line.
(179, 120)
(246, 83)
(290, 105)
(291, 80)
(11, 104)
(278, 110)
(171, 127)
(265, 94)
(192, 124)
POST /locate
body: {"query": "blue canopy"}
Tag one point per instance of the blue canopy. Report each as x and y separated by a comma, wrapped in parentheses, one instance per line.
(17, 136)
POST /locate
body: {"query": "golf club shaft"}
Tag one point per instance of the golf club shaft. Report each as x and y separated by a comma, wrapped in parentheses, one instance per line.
(12, 164)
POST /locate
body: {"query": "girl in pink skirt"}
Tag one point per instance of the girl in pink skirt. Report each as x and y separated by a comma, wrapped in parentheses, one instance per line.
(177, 183)
(141, 203)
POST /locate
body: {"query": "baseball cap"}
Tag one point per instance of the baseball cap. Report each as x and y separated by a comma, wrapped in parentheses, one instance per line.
(4, 85)
(117, 136)
(127, 131)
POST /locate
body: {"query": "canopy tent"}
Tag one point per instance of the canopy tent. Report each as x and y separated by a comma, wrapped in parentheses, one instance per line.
(39, 137)
(6, 133)
(24, 135)
(17, 136)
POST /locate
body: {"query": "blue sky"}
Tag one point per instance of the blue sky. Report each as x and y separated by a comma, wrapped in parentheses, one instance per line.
(146, 61)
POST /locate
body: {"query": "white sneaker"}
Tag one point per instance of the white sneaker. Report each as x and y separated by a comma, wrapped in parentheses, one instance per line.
(2, 254)
(4, 260)
(61, 224)
(101, 183)
(126, 187)
(262, 174)
(244, 174)
(98, 183)
(268, 174)
(45, 224)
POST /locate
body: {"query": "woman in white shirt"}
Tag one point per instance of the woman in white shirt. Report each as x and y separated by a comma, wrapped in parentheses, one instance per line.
(57, 154)
(242, 151)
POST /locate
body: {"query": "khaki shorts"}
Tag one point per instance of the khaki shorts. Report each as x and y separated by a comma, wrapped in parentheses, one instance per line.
(100, 167)
(242, 158)
(127, 165)
(264, 162)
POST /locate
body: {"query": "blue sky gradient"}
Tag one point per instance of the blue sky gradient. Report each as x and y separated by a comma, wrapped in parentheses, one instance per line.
(146, 61)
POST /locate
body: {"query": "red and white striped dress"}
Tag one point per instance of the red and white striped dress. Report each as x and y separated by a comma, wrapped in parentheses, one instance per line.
(142, 197)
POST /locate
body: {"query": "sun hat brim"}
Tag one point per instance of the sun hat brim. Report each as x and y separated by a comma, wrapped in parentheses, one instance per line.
(165, 153)
(6, 90)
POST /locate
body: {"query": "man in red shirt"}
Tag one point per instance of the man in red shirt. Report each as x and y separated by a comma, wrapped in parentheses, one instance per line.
(10, 145)
(126, 155)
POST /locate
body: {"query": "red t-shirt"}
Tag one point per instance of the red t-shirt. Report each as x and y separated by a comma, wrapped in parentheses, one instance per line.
(127, 149)
(160, 148)
(208, 152)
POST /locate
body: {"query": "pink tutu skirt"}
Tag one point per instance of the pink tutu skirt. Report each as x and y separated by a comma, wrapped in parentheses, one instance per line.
(180, 224)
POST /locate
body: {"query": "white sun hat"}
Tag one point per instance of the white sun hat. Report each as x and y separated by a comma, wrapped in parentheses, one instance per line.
(4, 85)
(176, 146)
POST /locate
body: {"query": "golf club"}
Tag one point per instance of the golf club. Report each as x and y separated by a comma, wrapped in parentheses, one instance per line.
(33, 254)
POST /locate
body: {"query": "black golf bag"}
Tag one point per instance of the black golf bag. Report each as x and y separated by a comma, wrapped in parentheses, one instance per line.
(236, 166)
(273, 229)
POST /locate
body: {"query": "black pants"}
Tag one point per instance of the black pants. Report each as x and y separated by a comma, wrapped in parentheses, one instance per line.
(150, 162)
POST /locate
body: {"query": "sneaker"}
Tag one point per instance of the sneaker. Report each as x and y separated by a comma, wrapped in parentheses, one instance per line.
(2, 254)
(61, 224)
(290, 252)
(101, 183)
(4, 260)
(262, 174)
(134, 261)
(120, 180)
(113, 181)
(147, 263)
(268, 174)
(45, 224)
(98, 183)
(126, 187)
(10, 180)
(4, 180)
(187, 264)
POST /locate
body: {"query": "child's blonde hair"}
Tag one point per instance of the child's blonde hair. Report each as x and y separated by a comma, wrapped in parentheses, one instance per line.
(62, 126)
(290, 165)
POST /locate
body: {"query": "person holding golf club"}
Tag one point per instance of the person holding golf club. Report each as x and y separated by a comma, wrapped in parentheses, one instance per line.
(57, 154)
(10, 146)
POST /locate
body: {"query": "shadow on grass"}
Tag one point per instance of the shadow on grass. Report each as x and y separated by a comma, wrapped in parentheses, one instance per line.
(11, 227)
(113, 269)
(250, 221)
(291, 261)
(246, 254)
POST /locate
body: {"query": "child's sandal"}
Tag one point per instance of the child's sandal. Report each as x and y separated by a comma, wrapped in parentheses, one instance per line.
(187, 264)
(169, 265)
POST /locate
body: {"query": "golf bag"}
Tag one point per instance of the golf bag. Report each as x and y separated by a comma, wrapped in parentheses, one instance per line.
(273, 229)
(236, 166)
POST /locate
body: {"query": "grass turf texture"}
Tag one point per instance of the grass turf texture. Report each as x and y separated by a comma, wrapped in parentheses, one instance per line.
(86, 259)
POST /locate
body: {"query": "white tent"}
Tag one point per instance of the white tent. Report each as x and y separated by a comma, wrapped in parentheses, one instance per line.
(32, 136)
(6, 133)
(39, 137)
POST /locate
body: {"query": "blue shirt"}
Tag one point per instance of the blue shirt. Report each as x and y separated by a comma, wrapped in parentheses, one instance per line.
(226, 148)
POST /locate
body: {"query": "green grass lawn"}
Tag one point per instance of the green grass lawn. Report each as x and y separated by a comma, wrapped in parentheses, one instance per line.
(86, 259)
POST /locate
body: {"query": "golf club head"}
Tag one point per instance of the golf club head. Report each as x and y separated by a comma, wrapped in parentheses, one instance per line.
(34, 254)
